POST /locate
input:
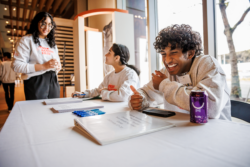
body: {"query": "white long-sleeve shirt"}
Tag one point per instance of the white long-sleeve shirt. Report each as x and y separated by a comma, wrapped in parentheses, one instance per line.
(207, 75)
(118, 85)
(7, 74)
(27, 54)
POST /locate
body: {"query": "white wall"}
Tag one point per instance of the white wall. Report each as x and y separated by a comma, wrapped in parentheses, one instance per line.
(79, 55)
(100, 21)
(94, 58)
(123, 32)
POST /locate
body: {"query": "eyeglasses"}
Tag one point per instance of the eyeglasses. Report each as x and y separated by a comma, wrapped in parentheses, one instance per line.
(43, 25)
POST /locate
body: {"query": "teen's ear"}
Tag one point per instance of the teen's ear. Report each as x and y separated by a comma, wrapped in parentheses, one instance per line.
(117, 58)
(191, 54)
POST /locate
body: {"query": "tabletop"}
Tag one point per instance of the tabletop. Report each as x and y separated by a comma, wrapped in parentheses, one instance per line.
(34, 136)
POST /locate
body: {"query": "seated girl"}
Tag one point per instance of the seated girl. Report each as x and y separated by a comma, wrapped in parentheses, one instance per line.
(116, 84)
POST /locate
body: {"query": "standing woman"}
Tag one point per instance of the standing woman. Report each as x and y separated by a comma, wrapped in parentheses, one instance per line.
(36, 57)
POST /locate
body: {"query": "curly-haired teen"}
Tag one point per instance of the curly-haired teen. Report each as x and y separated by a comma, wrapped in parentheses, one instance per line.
(186, 69)
(116, 84)
(36, 57)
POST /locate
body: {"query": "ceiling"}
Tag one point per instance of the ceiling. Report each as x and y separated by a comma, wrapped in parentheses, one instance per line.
(15, 21)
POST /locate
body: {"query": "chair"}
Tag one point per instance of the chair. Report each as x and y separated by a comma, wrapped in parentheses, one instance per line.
(240, 110)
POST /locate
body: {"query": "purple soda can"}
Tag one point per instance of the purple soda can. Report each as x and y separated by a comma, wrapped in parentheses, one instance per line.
(198, 106)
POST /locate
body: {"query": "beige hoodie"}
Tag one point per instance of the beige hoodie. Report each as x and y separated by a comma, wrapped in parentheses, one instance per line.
(206, 74)
(6, 72)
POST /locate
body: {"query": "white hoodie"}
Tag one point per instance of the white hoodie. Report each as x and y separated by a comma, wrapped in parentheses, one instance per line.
(118, 85)
(7, 74)
(207, 75)
(27, 54)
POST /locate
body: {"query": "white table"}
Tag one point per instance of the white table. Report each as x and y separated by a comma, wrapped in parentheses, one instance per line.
(35, 136)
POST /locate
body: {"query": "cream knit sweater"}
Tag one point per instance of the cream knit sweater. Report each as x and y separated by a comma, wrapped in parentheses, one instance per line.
(206, 74)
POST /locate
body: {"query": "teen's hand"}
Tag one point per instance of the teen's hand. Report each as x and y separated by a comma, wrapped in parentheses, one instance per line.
(52, 63)
(136, 99)
(100, 90)
(157, 78)
(78, 94)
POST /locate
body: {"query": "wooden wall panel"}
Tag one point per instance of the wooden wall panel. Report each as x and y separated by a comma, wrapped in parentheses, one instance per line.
(64, 33)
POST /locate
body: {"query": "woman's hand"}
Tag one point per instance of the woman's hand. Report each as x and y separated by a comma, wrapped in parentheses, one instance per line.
(52, 63)
(59, 67)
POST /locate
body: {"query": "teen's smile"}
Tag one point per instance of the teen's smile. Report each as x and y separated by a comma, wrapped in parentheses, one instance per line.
(44, 27)
(45, 32)
(175, 61)
(171, 67)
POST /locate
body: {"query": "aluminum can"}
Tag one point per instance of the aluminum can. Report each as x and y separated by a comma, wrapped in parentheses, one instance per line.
(198, 106)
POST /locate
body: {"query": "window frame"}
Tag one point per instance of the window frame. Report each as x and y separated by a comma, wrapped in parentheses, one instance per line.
(152, 21)
(209, 30)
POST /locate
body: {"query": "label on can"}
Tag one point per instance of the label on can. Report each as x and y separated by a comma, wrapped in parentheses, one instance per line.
(198, 107)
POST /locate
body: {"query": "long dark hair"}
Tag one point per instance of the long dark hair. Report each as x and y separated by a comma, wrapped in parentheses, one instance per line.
(35, 32)
(123, 52)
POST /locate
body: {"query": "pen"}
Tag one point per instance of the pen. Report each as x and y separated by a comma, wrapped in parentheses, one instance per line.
(80, 94)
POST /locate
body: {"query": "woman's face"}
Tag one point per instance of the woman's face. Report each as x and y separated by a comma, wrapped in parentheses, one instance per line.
(44, 27)
(110, 57)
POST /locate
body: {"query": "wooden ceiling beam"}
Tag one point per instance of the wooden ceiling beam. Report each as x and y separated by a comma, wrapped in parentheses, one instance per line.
(10, 11)
(14, 35)
(24, 15)
(63, 6)
(56, 4)
(58, 8)
(32, 11)
(17, 15)
(48, 5)
(69, 12)
(75, 9)
(15, 27)
(21, 6)
(15, 18)
(41, 4)
(54, 14)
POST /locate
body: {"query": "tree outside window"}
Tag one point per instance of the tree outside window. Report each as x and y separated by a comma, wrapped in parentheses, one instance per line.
(233, 44)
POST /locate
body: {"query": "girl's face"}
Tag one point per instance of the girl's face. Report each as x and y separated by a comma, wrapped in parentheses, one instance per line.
(111, 59)
(44, 27)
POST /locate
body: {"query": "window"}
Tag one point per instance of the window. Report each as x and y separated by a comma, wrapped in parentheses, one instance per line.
(233, 49)
(180, 12)
(139, 9)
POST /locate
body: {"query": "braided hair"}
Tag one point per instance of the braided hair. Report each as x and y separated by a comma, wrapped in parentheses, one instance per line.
(123, 52)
